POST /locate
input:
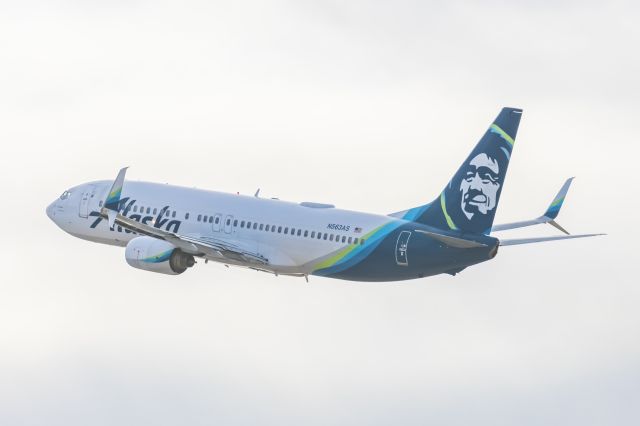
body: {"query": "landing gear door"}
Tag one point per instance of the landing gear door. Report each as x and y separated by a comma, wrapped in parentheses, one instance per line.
(401, 248)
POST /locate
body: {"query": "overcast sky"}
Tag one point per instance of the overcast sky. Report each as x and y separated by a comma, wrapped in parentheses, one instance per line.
(368, 105)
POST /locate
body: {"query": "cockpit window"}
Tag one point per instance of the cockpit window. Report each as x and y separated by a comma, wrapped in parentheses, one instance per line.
(65, 195)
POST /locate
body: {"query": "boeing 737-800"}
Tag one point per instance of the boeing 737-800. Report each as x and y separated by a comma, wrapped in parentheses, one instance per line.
(165, 228)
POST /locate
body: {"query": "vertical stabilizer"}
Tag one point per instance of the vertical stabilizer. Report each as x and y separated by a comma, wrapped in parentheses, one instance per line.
(469, 201)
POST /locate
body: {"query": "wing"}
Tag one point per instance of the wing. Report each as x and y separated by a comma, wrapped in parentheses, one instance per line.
(198, 245)
(548, 217)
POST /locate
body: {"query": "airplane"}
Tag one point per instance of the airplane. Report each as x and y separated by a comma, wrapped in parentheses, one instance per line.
(166, 228)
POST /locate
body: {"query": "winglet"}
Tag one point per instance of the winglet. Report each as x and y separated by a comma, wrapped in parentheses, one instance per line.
(556, 204)
(112, 203)
(549, 215)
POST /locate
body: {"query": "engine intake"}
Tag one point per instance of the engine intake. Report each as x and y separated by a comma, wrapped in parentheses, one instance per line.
(151, 254)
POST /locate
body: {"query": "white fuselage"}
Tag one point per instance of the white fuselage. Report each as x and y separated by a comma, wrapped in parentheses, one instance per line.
(298, 236)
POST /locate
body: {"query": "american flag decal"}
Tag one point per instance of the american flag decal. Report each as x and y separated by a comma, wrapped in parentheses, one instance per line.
(357, 230)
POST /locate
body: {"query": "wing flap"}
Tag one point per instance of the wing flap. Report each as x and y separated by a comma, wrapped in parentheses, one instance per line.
(210, 248)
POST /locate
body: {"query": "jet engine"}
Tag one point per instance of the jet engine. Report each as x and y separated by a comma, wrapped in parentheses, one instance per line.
(151, 254)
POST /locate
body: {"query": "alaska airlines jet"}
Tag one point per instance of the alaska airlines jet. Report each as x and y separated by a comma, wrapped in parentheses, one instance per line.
(165, 228)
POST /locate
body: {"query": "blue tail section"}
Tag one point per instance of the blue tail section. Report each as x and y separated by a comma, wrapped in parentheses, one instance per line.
(469, 201)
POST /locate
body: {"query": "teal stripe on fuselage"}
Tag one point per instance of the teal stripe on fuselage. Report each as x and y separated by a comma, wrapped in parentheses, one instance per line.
(414, 213)
(361, 253)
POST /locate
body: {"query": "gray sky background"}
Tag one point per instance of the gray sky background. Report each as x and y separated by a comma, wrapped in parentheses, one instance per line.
(368, 105)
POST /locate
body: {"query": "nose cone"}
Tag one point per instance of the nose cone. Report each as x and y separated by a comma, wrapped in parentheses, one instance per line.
(51, 211)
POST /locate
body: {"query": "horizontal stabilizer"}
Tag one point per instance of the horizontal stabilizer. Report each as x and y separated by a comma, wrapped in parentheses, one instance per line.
(452, 241)
(548, 217)
(518, 241)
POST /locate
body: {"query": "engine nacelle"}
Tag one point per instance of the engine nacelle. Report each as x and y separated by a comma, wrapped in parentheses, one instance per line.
(151, 254)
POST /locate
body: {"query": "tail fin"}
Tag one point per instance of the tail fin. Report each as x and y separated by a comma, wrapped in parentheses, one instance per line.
(469, 201)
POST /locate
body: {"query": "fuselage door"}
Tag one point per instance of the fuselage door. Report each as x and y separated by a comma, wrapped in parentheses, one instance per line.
(401, 248)
(228, 224)
(84, 204)
(217, 219)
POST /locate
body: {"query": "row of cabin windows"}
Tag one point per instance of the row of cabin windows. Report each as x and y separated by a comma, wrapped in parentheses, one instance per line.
(261, 227)
(298, 232)
(205, 218)
(286, 230)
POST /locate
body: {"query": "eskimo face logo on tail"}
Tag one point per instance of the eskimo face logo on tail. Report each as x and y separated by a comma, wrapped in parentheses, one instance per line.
(479, 186)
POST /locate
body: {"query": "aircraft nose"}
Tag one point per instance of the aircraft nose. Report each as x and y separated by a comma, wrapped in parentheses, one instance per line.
(51, 211)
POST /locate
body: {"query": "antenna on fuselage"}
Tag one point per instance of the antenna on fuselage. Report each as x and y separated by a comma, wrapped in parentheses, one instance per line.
(257, 194)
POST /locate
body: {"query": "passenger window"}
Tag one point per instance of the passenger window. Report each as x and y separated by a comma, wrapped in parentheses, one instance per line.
(255, 225)
(100, 203)
(350, 239)
(261, 226)
(148, 210)
(325, 236)
(320, 235)
(242, 224)
(355, 241)
(299, 232)
(313, 234)
(199, 217)
(306, 233)
(217, 220)
(228, 222)
(330, 237)
(344, 238)
(362, 241)
(173, 213)
(248, 225)
(235, 222)
(186, 216)
(286, 231)
(135, 208)
(205, 218)
(155, 211)
(273, 228)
